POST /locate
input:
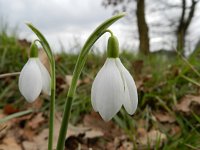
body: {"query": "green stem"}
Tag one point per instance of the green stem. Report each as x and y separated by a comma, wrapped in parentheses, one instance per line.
(49, 53)
(76, 74)
(52, 106)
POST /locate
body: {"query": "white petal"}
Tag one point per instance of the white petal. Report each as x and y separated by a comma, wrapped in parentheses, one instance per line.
(131, 100)
(107, 90)
(46, 79)
(30, 80)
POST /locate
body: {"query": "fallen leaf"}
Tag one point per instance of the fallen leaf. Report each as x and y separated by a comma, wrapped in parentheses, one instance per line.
(68, 79)
(93, 134)
(36, 121)
(175, 130)
(41, 139)
(4, 127)
(187, 102)
(27, 145)
(9, 143)
(60, 84)
(76, 130)
(164, 117)
(109, 129)
(36, 105)
(86, 80)
(150, 138)
(28, 134)
(126, 145)
(9, 109)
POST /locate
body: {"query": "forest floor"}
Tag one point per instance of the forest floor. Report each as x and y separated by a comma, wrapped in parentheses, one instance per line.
(167, 116)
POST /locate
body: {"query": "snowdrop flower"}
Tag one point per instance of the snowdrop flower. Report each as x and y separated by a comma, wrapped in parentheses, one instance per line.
(113, 86)
(34, 77)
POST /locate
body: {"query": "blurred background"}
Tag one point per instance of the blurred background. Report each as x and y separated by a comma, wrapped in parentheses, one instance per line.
(160, 46)
(148, 26)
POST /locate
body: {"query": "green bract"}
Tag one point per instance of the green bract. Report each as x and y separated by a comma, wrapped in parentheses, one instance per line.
(113, 47)
(33, 50)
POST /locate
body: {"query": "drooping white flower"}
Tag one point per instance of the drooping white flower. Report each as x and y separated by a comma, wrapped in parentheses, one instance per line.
(113, 88)
(33, 79)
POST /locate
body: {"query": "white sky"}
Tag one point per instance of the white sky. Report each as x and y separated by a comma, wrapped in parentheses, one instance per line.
(70, 22)
(61, 21)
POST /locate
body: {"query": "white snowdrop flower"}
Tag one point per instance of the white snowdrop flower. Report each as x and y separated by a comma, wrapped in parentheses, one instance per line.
(34, 78)
(113, 86)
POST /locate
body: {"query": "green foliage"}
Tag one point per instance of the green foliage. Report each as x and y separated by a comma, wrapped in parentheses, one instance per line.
(12, 54)
(159, 76)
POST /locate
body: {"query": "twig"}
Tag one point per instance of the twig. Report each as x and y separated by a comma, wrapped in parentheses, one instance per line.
(9, 74)
(15, 115)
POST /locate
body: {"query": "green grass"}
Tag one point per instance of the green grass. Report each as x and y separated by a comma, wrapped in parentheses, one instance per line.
(161, 76)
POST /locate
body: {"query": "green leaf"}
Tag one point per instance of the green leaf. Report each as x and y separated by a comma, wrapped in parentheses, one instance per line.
(43, 40)
(99, 31)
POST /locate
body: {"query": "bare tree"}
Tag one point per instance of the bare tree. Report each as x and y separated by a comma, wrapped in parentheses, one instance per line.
(169, 22)
(184, 22)
(143, 29)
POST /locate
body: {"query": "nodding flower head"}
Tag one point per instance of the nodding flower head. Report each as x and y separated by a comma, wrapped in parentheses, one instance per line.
(113, 86)
(34, 77)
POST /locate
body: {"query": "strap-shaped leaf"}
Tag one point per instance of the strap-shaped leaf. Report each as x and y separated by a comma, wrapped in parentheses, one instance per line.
(99, 30)
(43, 40)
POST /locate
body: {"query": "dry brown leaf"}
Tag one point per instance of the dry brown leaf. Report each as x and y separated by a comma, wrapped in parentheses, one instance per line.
(139, 84)
(76, 130)
(9, 109)
(86, 80)
(36, 121)
(27, 145)
(126, 145)
(68, 79)
(4, 127)
(175, 130)
(36, 105)
(93, 134)
(94, 121)
(150, 138)
(41, 139)
(9, 143)
(164, 117)
(187, 102)
(28, 134)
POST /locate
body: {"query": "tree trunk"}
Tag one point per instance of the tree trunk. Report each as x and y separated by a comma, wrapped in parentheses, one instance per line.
(184, 24)
(142, 28)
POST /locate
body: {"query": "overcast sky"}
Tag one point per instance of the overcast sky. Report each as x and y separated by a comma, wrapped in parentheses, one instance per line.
(70, 22)
(61, 21)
